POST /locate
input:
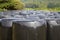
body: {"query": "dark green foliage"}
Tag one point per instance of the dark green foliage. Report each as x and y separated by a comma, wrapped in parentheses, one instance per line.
(11, 5)
(31, 6)
(50, 5)
(43, 3)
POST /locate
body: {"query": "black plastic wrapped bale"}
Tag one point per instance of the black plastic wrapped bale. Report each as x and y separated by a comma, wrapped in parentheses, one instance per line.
(6, 29)
(47, 20)
(29, 30)
(54, 30)
(0, 29)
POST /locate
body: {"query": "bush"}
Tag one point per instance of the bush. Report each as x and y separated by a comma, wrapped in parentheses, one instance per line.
(16, 6)
(11, 5)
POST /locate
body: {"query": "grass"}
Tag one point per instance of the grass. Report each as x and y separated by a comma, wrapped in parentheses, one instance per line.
(48, 9)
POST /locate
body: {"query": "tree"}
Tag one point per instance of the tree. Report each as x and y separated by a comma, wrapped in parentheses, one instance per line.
(16, 4)
(51, 5)
(11, 4)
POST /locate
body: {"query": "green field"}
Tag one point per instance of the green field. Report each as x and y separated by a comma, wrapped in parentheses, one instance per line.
(47, 9)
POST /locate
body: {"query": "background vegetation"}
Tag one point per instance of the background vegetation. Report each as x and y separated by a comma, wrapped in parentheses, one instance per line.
(11, 5)
(52, 5)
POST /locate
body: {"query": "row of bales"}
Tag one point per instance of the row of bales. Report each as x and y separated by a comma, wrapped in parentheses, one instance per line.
(29, 25)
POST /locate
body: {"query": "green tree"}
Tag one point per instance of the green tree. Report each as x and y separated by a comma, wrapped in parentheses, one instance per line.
(11, 4)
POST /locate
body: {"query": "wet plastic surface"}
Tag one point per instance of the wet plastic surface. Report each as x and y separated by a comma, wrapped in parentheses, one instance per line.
(6, 33)
(54, 30)
(29, 30)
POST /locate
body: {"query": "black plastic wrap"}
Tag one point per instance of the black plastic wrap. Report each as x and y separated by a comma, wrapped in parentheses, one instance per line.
(29, 30)
(54, 30)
